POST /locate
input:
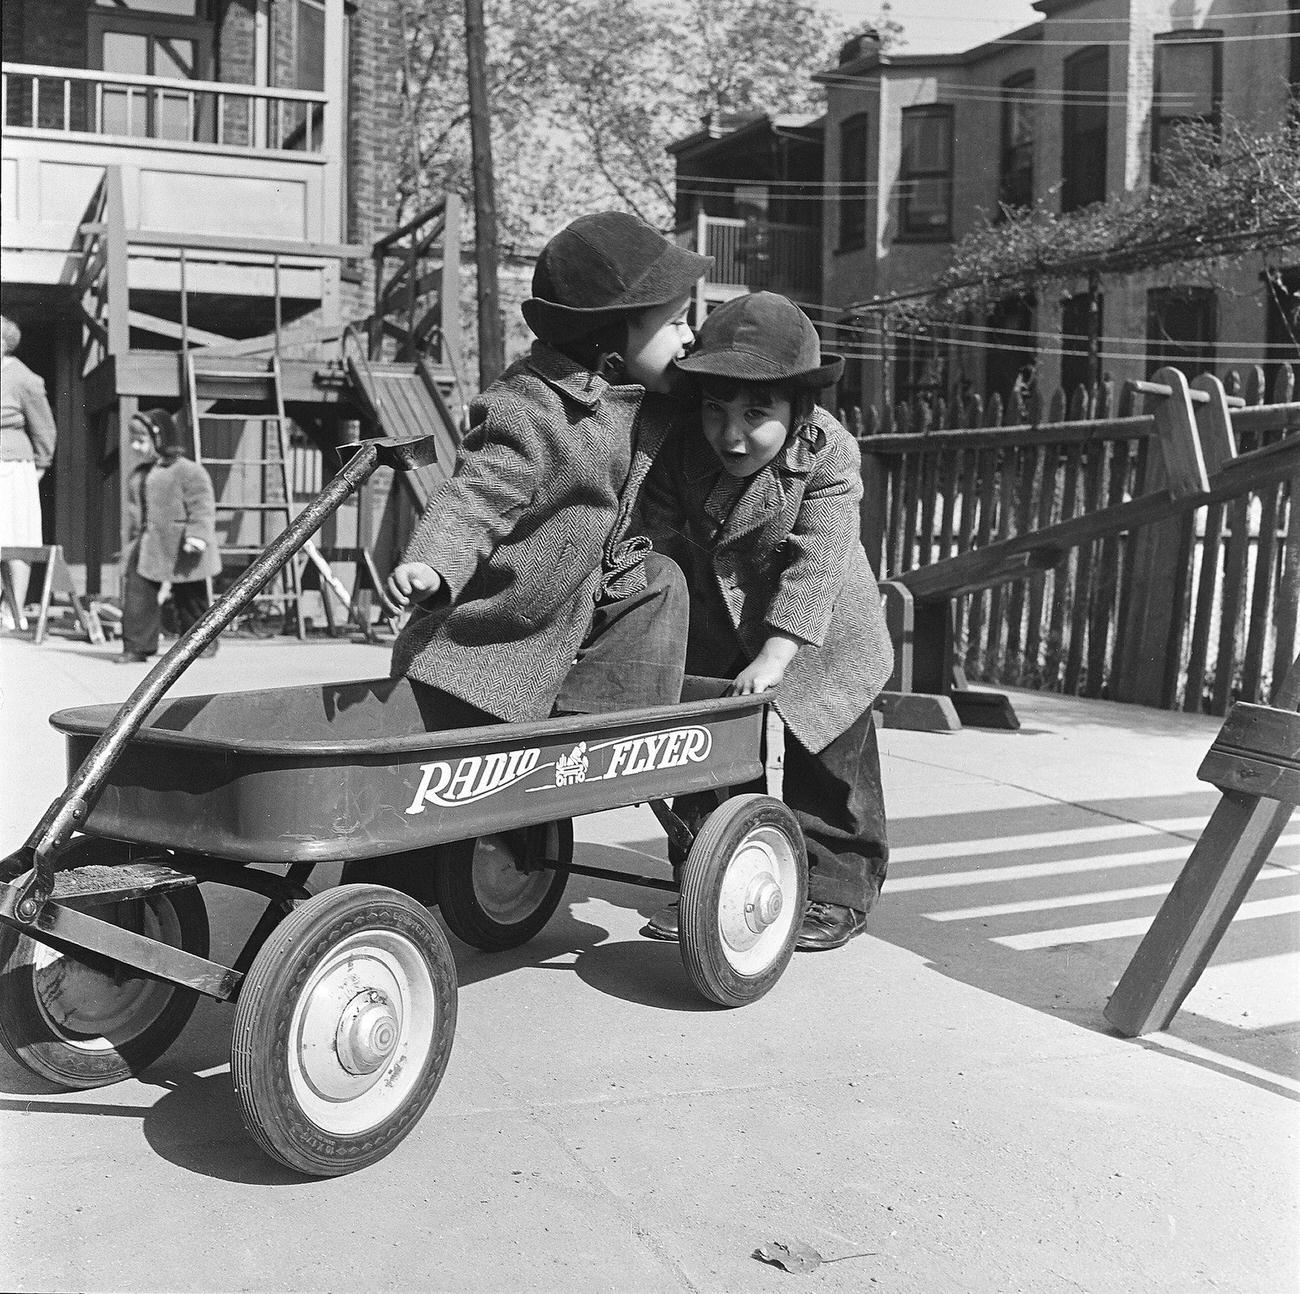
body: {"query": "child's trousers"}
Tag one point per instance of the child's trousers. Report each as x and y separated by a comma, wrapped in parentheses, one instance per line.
(837, 796)
(142, 616)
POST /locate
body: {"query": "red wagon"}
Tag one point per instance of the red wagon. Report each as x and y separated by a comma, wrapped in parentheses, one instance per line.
(345, 1001)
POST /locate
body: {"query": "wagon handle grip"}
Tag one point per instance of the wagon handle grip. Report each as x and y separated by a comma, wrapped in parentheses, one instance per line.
(71, 809)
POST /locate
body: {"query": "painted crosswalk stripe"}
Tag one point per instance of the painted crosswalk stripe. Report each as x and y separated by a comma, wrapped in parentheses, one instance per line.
(1253, 911)
(1051, 902)
(1057, 867)
(1067, 837)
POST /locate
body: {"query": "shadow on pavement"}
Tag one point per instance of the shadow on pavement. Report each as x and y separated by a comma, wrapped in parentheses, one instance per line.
(1045, 906)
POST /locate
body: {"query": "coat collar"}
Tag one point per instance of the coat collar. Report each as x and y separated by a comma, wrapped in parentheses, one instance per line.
(565, 375)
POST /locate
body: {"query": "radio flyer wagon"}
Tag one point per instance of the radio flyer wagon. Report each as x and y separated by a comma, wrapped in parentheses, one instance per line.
(345, 1000)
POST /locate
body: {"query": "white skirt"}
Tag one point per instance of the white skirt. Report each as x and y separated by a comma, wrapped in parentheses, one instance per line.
(20, 505)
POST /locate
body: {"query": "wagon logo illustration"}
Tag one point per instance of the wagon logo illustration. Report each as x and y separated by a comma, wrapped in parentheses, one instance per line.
(572, 767)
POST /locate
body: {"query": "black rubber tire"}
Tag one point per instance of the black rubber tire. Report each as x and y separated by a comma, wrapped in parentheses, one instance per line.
(477, 917)
(38, 1035)
(741, 824)
(339, 945)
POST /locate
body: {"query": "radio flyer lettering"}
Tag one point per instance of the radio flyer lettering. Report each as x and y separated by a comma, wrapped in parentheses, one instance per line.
(452, 783)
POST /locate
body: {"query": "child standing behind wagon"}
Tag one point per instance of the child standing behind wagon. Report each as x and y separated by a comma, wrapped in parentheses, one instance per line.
(758, 504)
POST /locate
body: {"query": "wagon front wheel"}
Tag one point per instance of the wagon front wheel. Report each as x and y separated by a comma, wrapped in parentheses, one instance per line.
(500, 892)
(743, 890)
(74, 1020)
(343, 1029)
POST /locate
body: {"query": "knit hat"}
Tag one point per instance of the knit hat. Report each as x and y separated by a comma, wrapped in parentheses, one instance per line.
(762, 337)
(162, 429)
(602, 266)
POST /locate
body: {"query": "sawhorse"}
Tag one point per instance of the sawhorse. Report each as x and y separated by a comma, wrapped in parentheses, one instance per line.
(356, 602)
(1255, 762)
(58, 579)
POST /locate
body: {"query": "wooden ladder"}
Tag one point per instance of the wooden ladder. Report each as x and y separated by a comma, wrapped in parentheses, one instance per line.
(257, 460)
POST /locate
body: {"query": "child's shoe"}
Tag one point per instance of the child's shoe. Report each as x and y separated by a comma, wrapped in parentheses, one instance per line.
(663, 925)
(828, 925)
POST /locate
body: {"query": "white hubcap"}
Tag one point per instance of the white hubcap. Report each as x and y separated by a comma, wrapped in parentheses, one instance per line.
(96, 1010)
(361, 1031)
(754, 914)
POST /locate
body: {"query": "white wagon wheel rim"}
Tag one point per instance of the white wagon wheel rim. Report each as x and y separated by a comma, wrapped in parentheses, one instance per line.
(92, 1010)
(504, 892)
(755, 903)
(361, 1030)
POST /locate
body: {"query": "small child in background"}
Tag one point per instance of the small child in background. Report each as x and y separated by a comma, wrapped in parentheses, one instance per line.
(758, 504)
(171, 522)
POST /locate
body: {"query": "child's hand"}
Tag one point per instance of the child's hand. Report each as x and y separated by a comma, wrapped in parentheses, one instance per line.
(412, 582)
(193, 544)
(767, 669)
(757, 676)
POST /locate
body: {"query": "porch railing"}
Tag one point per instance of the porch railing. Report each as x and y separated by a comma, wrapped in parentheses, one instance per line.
(216, 113)
(1234, 590)
(756, 254)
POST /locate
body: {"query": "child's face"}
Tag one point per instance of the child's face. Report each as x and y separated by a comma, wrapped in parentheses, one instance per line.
(655, 338)
(141, 441)
(747, 429)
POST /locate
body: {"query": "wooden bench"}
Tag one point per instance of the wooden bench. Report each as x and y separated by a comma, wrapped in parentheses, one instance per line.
(1255, 762)
(58, 579)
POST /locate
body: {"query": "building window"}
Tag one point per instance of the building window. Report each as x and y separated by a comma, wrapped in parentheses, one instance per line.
(1180, 329)
(1083, 128)
(925, 210)
(1188, 85)
(153, 38)
(1011, 345)
(1016, 187)
(1076, 329)
(920, 368)
(309, 45)
(853, 189)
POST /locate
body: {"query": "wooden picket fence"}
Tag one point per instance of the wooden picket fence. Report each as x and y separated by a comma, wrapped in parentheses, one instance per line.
(956, 475)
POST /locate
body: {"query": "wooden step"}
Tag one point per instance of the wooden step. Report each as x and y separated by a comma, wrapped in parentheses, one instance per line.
(94, 885)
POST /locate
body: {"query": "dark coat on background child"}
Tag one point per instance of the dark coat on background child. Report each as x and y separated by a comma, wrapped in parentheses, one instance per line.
(531, 532)
(777, 550)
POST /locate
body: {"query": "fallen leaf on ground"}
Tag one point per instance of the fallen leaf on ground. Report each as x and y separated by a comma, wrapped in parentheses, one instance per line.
(791, 1256)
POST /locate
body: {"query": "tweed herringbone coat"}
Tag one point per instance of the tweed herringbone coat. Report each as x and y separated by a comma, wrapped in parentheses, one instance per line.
(530, 530)
(779, 550)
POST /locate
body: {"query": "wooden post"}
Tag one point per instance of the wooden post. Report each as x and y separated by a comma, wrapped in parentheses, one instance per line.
(1148, 652)
(1233, 847)
(491, 337)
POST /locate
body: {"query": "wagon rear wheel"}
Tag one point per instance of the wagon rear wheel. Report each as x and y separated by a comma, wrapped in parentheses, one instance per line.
(743, 890)
(503, 892)
(75, 1020)
(343, 1029)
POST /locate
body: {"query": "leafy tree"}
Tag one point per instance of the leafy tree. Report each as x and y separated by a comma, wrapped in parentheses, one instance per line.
(587, 94)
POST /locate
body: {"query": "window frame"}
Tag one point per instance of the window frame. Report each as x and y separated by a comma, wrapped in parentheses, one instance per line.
(851, 235)
(1160, 354)
(1162, 123)
(1016, 88)
(1071, 176)
(931, 233)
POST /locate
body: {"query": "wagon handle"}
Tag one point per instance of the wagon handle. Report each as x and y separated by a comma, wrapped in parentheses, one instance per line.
(70, 810)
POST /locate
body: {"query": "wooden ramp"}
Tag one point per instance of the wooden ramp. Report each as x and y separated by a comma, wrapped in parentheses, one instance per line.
(405, 403)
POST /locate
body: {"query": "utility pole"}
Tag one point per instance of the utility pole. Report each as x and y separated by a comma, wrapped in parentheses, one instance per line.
(491, 339)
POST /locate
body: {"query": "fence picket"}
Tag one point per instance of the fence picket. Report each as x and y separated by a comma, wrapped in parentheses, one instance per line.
(943, 491)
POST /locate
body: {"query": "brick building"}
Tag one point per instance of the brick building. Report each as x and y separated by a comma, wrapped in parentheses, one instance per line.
(1072, 109)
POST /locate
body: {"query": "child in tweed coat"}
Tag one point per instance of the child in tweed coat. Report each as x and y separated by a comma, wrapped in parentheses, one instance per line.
(758, 504)
(530, 595)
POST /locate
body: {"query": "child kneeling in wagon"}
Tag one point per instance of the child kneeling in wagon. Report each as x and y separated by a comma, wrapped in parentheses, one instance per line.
(758, 503)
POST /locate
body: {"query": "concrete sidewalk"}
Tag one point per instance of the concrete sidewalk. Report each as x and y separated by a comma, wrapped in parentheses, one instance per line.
(937, 1107)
